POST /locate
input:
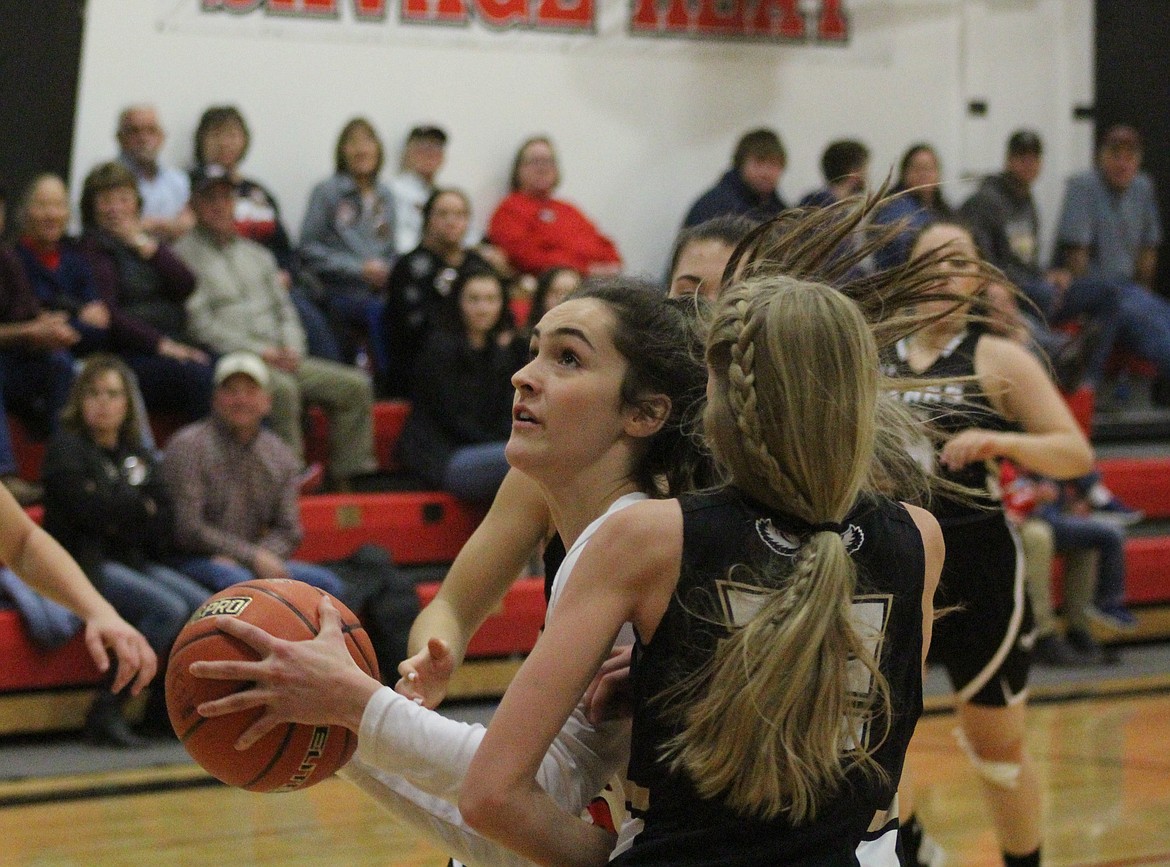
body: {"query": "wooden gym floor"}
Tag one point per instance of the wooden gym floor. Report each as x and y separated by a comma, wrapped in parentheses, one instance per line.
(1104, 762)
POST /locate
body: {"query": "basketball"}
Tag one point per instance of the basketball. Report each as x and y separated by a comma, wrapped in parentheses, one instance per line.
(291, 756)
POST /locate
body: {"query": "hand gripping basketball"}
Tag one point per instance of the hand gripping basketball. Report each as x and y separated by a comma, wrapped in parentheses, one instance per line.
(261, 711)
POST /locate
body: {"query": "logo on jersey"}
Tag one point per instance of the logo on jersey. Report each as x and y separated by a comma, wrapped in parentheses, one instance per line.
(786, 543)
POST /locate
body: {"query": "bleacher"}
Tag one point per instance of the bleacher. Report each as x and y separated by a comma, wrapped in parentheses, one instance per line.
(46, 691)
(424, 530)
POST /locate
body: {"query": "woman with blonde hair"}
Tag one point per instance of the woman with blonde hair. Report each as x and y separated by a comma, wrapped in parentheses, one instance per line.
(780, 620)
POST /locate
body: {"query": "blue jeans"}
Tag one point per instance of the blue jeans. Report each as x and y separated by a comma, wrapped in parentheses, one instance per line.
(476, 472)
(1145, 326)
(1081, 531)
(156, 600)
(363, 312)
(219, 576)
(1095, 299)
(318, 335)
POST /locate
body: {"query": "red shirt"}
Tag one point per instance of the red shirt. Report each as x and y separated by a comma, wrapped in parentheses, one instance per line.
(542, 233)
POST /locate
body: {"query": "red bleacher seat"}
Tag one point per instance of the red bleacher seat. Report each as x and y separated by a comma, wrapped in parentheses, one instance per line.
(389, 417)
(416, 526)
(512, 629)
(1140, 483)
(27, 666)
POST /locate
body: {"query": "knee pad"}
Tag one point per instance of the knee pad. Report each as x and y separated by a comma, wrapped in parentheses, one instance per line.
(1003, 775)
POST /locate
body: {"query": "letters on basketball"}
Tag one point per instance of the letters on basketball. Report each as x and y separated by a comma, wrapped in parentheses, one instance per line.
(291, 756)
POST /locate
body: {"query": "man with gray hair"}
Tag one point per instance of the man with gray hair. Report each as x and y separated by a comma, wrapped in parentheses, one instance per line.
(164, 189)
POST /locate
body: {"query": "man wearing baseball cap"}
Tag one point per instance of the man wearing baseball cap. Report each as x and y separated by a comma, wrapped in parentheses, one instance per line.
(235, 486)
(240, 304)
(1110, 230)
(1006, 226)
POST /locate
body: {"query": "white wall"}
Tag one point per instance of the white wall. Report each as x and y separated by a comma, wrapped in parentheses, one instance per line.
(642, 126)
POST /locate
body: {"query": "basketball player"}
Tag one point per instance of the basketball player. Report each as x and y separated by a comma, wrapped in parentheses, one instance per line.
(606, 399)
(43, 564)
(780, 620)
(1006, 408)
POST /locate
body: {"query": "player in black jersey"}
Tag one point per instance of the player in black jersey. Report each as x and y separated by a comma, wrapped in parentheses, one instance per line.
(780, 621)
(1006, 408)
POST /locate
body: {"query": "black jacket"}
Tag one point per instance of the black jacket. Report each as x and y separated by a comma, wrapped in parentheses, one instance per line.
(103, 505)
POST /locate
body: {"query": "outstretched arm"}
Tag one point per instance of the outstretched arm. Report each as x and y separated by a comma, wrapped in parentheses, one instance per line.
(478, 579)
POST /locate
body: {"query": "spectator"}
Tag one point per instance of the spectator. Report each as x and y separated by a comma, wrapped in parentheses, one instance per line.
(223, 138)
(59, 274)
(105, 503)
(845, 167)
(240, 304)
(1110, 230)
(749, 187)
(36, 367)
(235, 488)
(701, 253)
(917, 201)
(1003, 218)
(422, 157)
(455, 435)
(144, 285)
(47, 567)
(164, 189)
(420, 283)
(347, 237)
(553, 287)
(537, 231)
(1038, 550)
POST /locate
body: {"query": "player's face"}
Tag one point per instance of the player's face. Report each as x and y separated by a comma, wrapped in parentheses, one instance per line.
(961, 273)
(568, 410)
(700, 268)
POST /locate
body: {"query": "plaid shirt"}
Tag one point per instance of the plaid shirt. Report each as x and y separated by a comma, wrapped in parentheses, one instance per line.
(232, 498)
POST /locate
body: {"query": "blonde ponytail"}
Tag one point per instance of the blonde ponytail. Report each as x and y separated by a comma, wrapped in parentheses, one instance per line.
(770, 725)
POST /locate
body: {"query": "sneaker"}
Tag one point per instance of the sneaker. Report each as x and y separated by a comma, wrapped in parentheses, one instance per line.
(1116, 617)
(1053, 651)
(1106, 507)
(1084, 643)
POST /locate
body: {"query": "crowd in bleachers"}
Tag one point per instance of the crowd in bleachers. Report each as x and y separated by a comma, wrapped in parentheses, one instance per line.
(189, 297)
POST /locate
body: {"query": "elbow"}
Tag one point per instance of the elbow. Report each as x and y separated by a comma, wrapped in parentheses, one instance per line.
(482, 806)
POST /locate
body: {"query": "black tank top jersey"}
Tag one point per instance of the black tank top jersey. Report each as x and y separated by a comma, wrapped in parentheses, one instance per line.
(720, 530)
(955, 407)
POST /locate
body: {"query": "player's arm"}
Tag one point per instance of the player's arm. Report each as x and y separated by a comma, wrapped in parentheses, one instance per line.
(626, 572)
(934, 549)
(1020, 390)
(485, 568)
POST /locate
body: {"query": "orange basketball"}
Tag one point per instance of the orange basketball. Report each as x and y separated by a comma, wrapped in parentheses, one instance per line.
(291, 756)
